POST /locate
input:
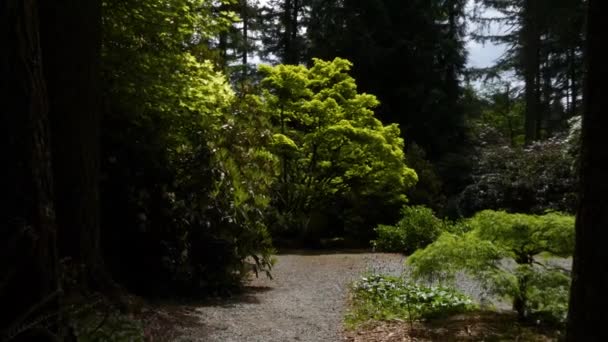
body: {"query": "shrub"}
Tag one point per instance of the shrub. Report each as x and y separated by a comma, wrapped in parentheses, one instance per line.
(380, 297)
(510, 255)
(529, 179)
(186, 172)
(417, 228)
(334, 154)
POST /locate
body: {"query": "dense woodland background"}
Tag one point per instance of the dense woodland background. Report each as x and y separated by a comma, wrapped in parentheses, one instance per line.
(150, 150)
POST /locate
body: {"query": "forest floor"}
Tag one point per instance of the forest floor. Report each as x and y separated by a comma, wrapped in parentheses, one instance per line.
(306, 301)
(474, 326)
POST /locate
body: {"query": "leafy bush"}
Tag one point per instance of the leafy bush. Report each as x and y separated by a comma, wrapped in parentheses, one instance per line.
(529, 179)
(512, 255)
(186, 177)
(417, 228)
(379, 297)
(335, 155)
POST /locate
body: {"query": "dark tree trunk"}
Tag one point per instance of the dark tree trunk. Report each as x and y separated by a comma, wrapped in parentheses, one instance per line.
(531, 47)
(588, 316)
(573, 77)
(245, 15)
(223, 49)
(294, 53)
(71, 43)
(547, 92)
(28, 259)
(291, 9)
(452, 83)
(287, 8)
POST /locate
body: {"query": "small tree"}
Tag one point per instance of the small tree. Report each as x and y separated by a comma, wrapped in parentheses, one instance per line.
(503, 252)
(330, 144)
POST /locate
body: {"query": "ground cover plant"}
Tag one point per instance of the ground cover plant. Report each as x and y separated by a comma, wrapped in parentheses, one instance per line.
(384, 298)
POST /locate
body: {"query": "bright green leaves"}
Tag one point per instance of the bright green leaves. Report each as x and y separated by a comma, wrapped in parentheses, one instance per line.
(526, 235)
(286, 82)
(505, 252)
(496, 235)
(417, 228)
(153, 63)
(386, 298)
(328, 138)
(166, 97)
(452, 253)
(283, 145)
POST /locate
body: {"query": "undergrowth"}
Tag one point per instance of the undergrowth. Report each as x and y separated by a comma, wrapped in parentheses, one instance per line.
(385, 298)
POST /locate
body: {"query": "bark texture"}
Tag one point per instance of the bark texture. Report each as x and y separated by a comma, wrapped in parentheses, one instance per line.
(28, 259)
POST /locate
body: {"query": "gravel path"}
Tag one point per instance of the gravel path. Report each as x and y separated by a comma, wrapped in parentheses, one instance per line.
(304, 302)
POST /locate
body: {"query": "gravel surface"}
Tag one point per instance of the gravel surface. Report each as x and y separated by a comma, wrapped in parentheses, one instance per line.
(304, 302)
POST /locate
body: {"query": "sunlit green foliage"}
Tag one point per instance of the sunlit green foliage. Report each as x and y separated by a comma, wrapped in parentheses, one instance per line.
(512, 255)
(329, 143)
(384, 298)
(417, 228)
(184, 174)
(154, 52)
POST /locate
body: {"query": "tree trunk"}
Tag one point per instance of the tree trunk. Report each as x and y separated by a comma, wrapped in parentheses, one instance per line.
(531, 47)
(294, 53)
(452, 82)
(291, 9)
(545, 116)
(245, 15)
(588, 316)
(287, 8)
(28, 260)
(573, 76)
(71, 43)
(223, 42)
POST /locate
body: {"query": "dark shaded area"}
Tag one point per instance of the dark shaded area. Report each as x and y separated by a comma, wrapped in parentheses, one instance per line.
(587, 316)
(476, 326)
(28, 256)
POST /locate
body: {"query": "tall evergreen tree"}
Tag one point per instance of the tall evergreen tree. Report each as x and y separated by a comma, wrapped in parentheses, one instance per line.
(283, 32)
(544, 49)
(411, 54)
(587, 316)
(241, 40)
(28, 259)
(530, 41)
(71, 43)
